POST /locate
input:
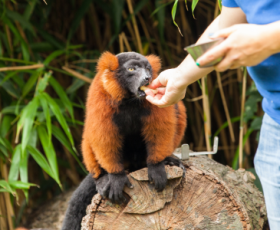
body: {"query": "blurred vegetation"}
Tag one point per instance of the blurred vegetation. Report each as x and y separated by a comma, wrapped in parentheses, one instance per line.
(48, 56)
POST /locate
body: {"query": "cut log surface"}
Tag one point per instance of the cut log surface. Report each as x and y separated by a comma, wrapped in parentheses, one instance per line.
(210, 196)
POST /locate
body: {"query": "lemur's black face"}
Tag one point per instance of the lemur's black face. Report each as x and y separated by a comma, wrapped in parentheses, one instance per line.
(134, 71)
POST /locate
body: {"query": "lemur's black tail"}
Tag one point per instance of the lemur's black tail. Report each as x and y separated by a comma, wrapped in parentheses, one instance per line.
(80, 199)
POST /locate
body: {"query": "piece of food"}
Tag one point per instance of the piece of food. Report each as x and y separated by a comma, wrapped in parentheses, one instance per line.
(155, 91)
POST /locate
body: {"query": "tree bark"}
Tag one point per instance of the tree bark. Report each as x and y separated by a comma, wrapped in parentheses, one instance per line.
(211, 196)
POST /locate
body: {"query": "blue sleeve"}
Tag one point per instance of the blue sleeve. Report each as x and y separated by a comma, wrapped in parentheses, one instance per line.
(229, 3)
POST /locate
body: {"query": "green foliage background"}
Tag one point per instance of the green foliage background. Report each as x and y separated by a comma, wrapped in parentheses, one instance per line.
(42, 104)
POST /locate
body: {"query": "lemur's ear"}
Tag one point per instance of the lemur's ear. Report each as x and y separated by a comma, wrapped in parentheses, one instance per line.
(107, 61)
(155, 63)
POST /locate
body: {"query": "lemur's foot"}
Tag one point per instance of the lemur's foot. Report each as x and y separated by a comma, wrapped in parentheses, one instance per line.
(112, 187)
(173, 161)
(157, 175)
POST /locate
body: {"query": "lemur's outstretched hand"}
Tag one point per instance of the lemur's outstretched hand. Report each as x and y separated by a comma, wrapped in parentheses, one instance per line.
(111, 186)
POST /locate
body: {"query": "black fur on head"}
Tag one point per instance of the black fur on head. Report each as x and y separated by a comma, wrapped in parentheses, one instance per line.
(134, 71)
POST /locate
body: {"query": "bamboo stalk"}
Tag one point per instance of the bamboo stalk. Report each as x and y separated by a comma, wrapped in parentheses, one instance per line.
(121, 43)
(8, 209)
(146, 32)
(9, 40)
(241, 118)
(126, 42)
(36, 66)
(130, 29)
(135, 27)
(77, 74)
(225, 106)
(80, 68)
(195, 99)
(206, 109)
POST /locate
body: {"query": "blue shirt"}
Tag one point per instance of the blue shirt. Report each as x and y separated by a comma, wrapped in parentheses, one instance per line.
(266, 75)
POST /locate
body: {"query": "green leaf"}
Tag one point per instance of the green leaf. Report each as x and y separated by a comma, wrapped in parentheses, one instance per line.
(194, 3)
(9, 87)
(8, 76)
(48, 149)
(24, 23)
(56, 110)
(77, 83)
(23, 167)
(5, 125)
(43, 83)
(256, 123)
(46, 110)
(4, 150)
(11, 109)
(26, 121)
(20, 185)
(33, 138)
(59, 135)
(61, 93)
(17, 61)
(41, 160)
(4, 184)
(30, 83)
(6, 144)
(24, 47)
(173, 13)
(14, 170)
(225, 125)
(53, 55)
(29, 10)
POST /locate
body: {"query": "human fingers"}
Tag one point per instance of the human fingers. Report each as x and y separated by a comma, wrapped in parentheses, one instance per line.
(162, 78)
(213, 54)
(158, 100)
(159, 91)
(224, 32)
(155, 84)
(225, 64)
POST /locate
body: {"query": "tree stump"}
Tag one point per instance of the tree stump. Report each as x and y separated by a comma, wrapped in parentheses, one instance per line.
(210, 196)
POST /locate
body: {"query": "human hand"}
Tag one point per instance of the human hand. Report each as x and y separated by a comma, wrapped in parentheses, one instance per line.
(245, 45)
(171, 88)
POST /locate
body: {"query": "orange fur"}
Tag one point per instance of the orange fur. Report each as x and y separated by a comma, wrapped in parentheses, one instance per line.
(181, 124)
(107, 65)
(163, 129)
(155, 63)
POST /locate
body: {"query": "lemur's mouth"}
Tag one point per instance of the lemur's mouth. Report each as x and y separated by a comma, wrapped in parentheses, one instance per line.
(141, 92)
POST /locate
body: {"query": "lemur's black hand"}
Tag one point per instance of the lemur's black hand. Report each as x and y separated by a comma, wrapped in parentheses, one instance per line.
(173, 161)
(101, 183)
(113, 189)
(157, 175)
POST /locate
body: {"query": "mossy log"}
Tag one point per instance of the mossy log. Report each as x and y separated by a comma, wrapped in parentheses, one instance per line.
(211, 196)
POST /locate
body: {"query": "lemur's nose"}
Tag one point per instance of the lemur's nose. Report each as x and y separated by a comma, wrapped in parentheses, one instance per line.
(147, 78)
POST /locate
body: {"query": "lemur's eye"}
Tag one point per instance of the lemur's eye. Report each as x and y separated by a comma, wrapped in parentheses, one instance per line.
(148, 69)
(131, 69)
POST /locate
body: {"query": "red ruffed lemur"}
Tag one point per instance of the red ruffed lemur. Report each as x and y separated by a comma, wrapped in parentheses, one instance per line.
(123, 131)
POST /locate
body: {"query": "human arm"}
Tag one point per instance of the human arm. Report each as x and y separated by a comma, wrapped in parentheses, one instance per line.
(174, 81)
